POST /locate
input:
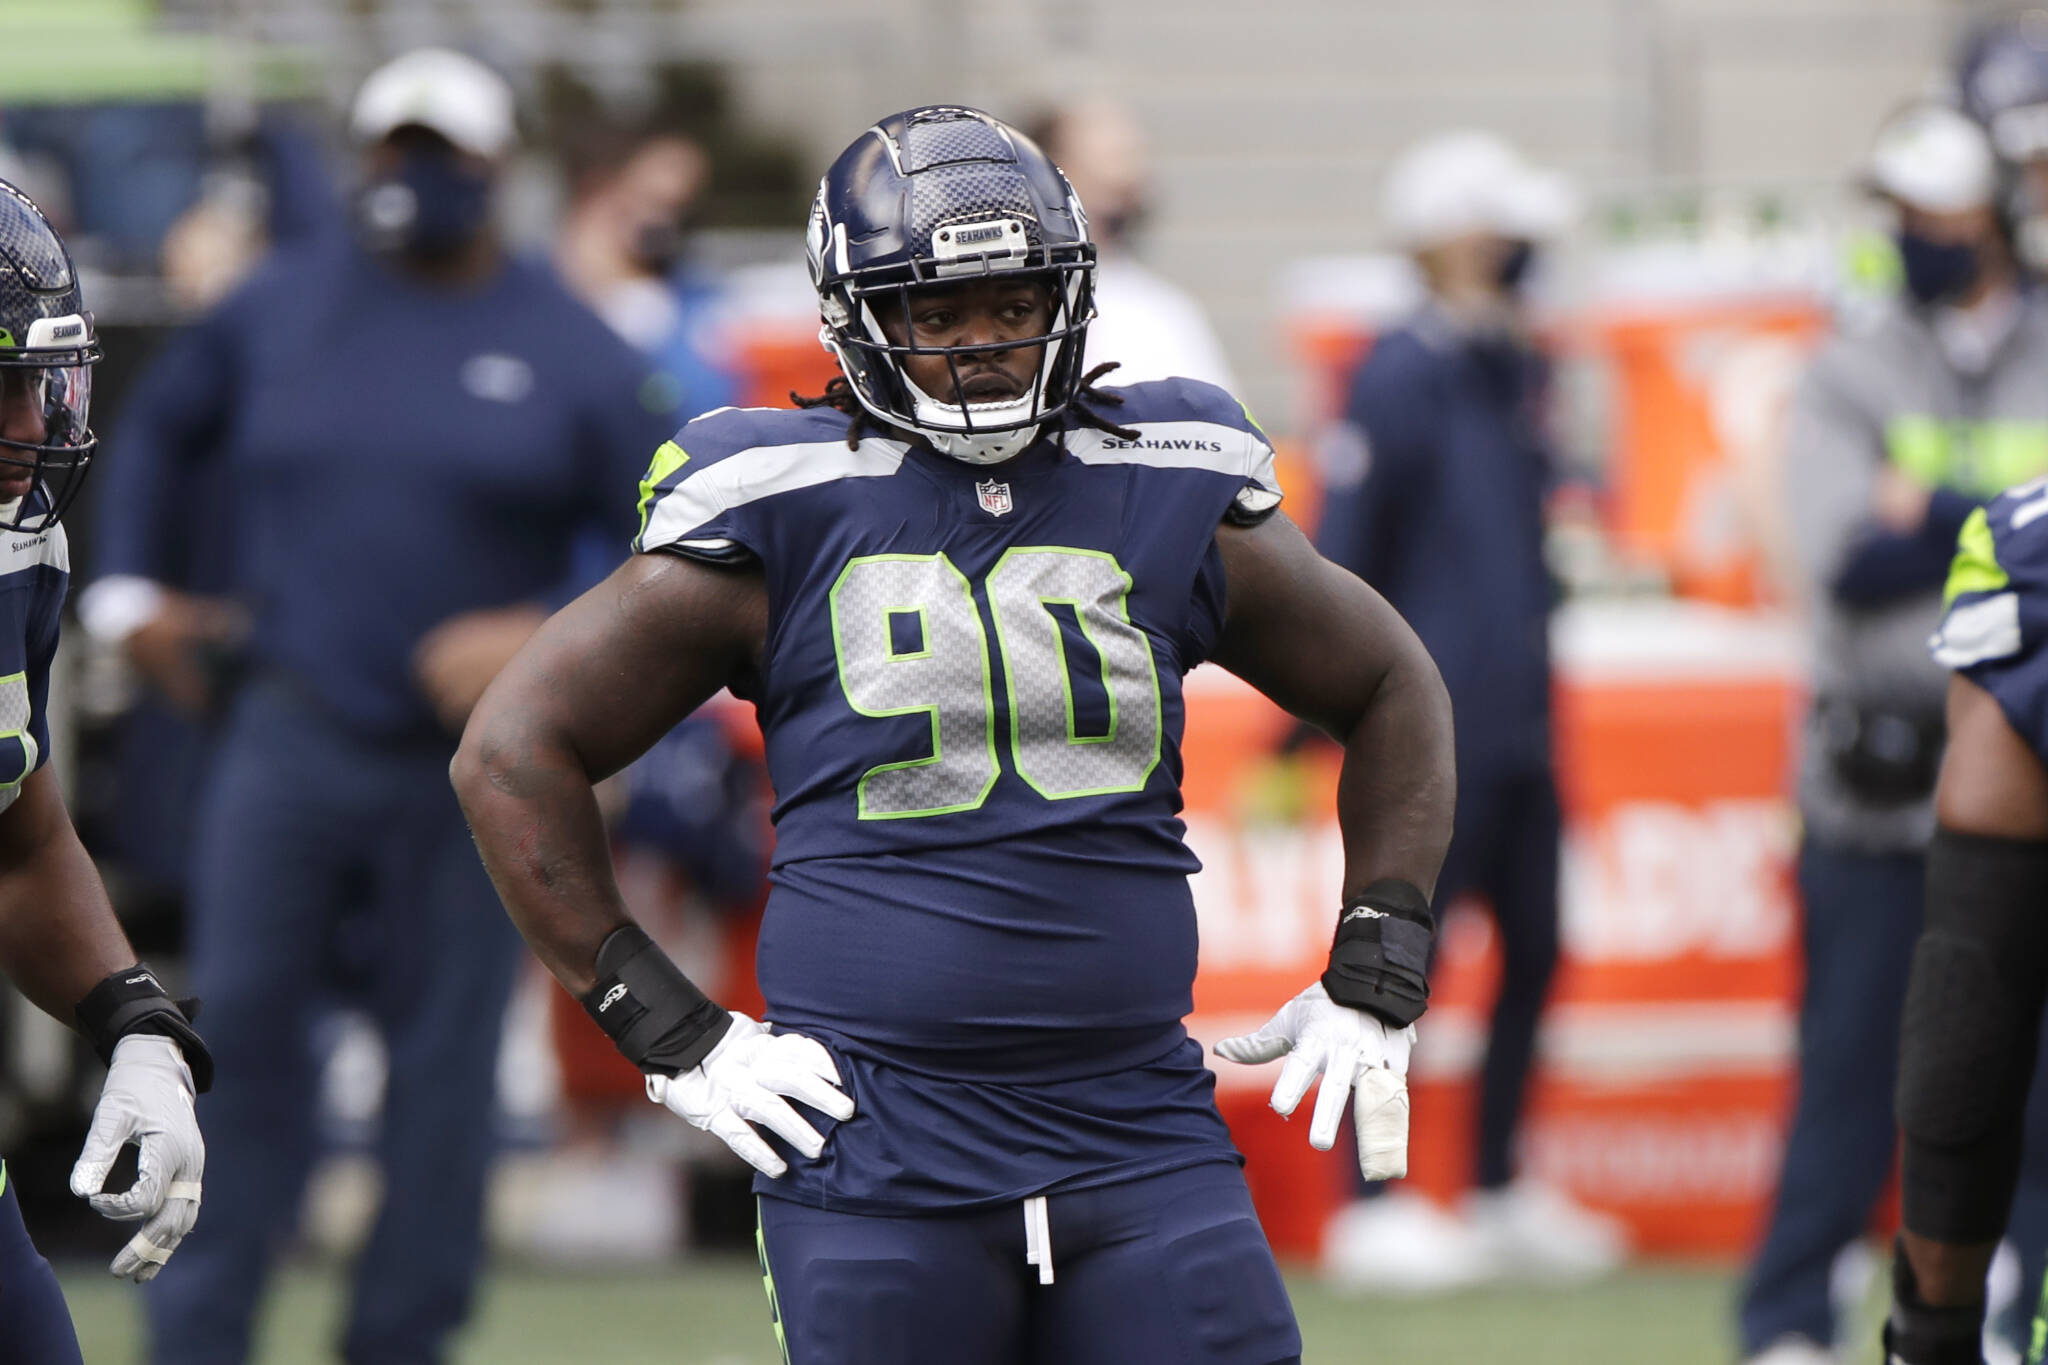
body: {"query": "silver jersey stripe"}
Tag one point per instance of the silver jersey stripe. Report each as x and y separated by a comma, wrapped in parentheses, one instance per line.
(24, 550)
(760, 473)
(1181, 445)
(1979, 632)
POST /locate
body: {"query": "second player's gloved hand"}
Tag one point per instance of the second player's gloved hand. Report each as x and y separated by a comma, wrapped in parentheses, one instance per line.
(1356, 1054)
(147, 1100)
(743, 1081)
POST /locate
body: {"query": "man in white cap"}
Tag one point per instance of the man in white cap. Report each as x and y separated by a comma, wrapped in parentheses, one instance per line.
(416, 429)
(1903, 423)
(1437, 484)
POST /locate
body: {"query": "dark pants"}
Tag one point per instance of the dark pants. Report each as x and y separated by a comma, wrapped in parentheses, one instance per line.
(1170, 1269)
(35, 1327)
(1504, 846)
(314, 846)
(1862, 915)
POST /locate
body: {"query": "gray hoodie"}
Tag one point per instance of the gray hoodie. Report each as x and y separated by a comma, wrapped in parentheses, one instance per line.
(1966, 424)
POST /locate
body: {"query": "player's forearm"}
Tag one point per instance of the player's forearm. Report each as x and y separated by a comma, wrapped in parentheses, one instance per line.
(58, 934)
(1397, 789)
(534, 813)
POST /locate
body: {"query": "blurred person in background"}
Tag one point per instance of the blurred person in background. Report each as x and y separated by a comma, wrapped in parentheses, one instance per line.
(1438, 483)
(1151, 327)
(417, 428)
(1902, 423)
(620, 250)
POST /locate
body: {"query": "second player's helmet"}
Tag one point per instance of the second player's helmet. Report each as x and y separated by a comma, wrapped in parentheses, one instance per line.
(47, 351)
(934, 196)
(2002, 82)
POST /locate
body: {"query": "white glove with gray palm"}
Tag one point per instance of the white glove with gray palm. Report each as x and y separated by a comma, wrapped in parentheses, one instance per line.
(1356, 1054)
(147, 1100)
(743, 1081)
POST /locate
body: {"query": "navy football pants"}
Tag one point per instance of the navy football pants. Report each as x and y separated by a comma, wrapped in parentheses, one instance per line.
(35, 1327)
(316, 846)
(1169, 1269)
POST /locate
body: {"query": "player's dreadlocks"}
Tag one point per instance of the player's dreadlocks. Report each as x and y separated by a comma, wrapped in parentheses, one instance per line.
(839, 394)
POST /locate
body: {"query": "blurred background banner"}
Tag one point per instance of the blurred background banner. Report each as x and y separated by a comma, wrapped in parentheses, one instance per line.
(1234, 164)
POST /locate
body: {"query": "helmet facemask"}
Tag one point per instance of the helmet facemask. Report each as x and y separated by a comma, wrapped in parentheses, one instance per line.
(47, 373)
(974, 432)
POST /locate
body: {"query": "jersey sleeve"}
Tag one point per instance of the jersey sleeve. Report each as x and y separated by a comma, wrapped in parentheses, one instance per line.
(685, 506)
(1994, 627)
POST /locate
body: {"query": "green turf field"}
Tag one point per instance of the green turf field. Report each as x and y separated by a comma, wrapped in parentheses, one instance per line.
(711, 1312)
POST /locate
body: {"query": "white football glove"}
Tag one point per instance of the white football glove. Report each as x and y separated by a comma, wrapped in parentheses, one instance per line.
(147, 1100)
(1352, 1051)
(743, 1080)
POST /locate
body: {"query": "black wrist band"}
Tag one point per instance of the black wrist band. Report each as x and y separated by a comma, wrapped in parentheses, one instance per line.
(656, 1017)
(1379, 961)
(133, 1001)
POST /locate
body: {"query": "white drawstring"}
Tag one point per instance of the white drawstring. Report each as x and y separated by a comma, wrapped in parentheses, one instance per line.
(1038, 1238)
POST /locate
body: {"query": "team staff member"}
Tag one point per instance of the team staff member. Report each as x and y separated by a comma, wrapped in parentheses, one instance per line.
(59, 940)
(962, 588)
(1980, 970)
(1902, 423)
(415, 427)
(1438, 482)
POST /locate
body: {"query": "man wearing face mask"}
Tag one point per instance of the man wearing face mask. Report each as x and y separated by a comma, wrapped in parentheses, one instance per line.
(1903, 423)
(1437, 481)
(416, 428)
(631, 192)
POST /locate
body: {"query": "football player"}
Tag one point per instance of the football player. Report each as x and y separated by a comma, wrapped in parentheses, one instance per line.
(962, 588)
(1980, 970)
(59, 940)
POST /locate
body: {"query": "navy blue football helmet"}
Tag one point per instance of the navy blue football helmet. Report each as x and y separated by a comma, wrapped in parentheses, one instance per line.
(2002, 82)
(47, 351)
(930, 197)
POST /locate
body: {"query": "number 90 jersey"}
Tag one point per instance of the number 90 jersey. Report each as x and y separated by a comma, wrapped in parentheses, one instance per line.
(1995, 619)
(972, 709)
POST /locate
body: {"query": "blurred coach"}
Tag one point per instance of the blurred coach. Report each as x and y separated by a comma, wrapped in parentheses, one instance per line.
(415, 428)
(1904, 421)
(1438, 499)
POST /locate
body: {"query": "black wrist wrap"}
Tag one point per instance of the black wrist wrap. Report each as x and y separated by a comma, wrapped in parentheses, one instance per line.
(662, 1023)
(1379, 962)
(133, 1001)
(1917, 1333)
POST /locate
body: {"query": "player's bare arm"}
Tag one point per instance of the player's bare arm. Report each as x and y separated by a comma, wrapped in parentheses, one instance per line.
(1330, 650)
(591, 691)
(1986, 875)
(58, 934)
(595, 687)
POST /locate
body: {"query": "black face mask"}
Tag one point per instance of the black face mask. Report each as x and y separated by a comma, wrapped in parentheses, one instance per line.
(1936, 271)
(432, 207)
(658, 247)
(1512, 269)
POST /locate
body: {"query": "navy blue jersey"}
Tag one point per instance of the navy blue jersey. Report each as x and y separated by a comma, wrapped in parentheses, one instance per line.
(1995, 620)
(34, 571)
(972, 709)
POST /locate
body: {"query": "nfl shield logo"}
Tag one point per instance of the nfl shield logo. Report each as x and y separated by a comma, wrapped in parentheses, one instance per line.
(995, 497)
